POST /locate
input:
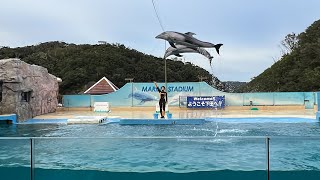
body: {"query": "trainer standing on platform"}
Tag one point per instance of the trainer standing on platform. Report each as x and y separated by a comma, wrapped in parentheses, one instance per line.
(163, 99)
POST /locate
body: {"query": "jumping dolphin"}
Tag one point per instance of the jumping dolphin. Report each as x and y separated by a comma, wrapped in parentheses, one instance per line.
(184, 49)
(187, 39)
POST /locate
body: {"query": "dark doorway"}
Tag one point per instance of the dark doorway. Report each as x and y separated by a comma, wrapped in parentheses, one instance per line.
(25, 96)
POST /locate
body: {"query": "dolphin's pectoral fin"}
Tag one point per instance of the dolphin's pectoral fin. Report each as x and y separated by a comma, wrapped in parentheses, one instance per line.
(190, 33)
(178, 55)
(141, 102)
(172, 44)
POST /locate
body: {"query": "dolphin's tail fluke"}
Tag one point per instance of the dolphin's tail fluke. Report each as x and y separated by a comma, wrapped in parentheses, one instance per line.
(217, 46)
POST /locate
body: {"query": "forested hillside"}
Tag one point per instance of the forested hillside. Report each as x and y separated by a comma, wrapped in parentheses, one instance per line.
(80, 65)
(297, 70)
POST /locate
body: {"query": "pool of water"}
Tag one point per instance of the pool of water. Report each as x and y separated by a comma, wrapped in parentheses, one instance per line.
(222, 148)
(215, 127)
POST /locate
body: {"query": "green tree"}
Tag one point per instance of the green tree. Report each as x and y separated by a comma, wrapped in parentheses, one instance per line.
(298, 68)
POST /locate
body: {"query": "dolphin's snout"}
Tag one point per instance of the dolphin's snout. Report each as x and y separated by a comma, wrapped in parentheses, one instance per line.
(159, 36)
(163, 35)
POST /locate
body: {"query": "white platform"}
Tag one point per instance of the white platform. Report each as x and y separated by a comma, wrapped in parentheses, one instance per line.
(87, 120)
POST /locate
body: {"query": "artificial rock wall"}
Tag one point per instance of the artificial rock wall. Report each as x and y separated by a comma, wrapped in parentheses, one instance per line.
(27, 90)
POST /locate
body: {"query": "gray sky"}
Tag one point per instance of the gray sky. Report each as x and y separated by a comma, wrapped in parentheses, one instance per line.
(251, 30)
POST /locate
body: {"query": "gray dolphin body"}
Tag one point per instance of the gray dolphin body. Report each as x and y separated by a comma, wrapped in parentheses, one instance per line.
(186, 39)
(184, 49)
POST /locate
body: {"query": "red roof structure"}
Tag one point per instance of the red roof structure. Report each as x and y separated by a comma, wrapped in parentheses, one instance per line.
(103, 86)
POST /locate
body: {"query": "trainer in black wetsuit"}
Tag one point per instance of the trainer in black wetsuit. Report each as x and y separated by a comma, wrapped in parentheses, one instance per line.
(163, 99)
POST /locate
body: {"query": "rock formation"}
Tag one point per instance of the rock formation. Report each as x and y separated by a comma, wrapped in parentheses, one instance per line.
(27, 90)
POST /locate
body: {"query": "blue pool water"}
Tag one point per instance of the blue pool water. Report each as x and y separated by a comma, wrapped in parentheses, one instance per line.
(214, 127)
(223, 148)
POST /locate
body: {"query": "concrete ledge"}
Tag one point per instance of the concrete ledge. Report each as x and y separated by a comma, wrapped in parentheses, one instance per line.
(267, 108)
(174, 108)
(9, 117)
(45, 121)
(75, 109)
(162, 122)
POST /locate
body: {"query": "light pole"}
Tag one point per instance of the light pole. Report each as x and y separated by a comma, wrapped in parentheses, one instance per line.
(165, 64)
(201, 78)
(131, 81)
(165, 72)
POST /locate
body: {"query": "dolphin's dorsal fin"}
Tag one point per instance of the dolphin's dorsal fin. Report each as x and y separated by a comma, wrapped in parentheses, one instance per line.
(190, 33)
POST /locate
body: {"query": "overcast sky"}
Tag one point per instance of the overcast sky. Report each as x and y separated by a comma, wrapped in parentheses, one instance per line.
(251, 30)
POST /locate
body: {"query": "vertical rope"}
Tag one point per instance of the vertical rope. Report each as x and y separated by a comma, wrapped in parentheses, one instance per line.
(165, 44)
(158, 17)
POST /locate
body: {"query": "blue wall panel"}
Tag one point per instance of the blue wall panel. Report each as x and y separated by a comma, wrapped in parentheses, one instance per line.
(145, 94)
(234, 99)
(318, 98)
(289, 98)
(258, 99)
(309, 98)
(76, 101)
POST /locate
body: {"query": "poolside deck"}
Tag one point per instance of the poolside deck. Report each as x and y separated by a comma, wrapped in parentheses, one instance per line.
(183, 113)
(162, 121)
